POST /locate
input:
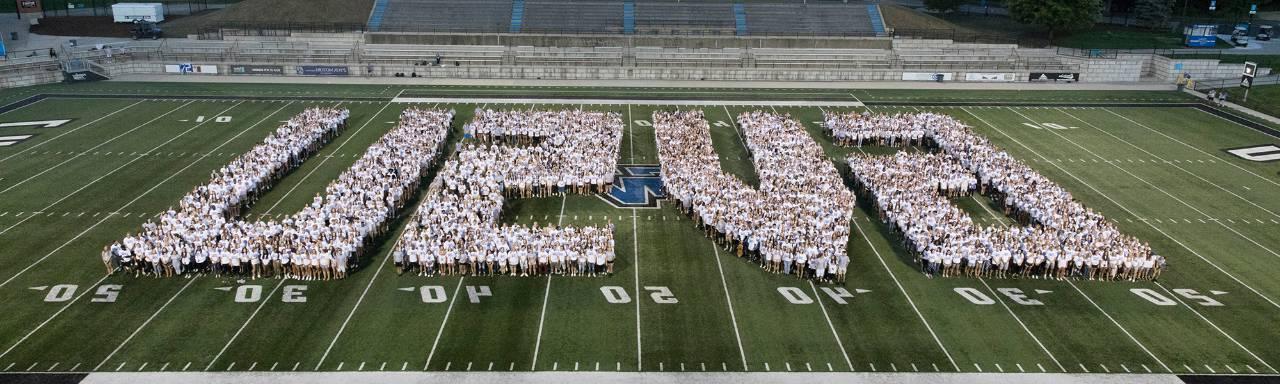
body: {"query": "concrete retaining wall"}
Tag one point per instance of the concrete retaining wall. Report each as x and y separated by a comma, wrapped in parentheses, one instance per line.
(627, 41)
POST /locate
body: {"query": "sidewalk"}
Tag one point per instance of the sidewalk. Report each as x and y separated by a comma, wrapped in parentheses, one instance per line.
(648, 83)
(1239, 108)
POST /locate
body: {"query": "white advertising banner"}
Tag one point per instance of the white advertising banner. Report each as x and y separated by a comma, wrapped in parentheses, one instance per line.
(927, 76)
(973, 76)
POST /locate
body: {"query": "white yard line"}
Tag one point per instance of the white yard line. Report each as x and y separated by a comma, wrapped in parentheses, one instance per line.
(1148, 183)
(1001, 299)
(126, 205)
(1215, 326)
(904, 292)
(1224, 158)
(261, 304)
(145, 323)
(55, 315)
(360, 300)
(631, 134)
(1250, 202)
(733, 317)
(1086, 297)
(68, 132)
(1126, 209)
(313, 170)
(542, 319)
(108, 141)
(447, 312)
(832, 325)
(737, 131)
(132, 201)
(1122, 328)
(635, 247)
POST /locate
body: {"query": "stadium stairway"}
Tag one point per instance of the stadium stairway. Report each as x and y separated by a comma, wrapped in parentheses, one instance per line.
(375, 17)
(877, 22)
(740, 18)
(517, 15)
(629, 17)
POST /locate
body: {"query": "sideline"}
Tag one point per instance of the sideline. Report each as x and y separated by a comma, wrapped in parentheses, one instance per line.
(616, 377)
(1129, 86)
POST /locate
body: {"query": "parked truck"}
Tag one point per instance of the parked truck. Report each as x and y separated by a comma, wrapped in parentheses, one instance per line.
(130, 12)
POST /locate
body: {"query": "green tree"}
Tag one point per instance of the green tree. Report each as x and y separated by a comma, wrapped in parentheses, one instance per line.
(1153, 14)
(1056, 15)
(943, 5)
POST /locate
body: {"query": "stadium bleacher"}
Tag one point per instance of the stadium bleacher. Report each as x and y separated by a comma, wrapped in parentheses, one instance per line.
(639, 17)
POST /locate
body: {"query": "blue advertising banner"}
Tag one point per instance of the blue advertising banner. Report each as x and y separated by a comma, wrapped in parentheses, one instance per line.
(323, 70)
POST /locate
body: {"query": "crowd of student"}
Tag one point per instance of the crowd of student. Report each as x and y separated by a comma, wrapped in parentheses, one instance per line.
(796, 222)
(1058, 237)
(203, 235)
(515, 154)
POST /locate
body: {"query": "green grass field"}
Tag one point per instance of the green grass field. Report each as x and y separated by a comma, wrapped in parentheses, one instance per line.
(1161, 172)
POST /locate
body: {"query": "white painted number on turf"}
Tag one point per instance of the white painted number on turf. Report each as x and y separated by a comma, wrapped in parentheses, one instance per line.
(644, 123)
(1196, 297)
(218, 119)
(795, 295)
(661, 295)
(974, 296)
(294, 294)
(1153, 296)
(248, 293)
(839, 294)
(107, 293)
(60, 293)
(615, 294)
(475, 292)
(433, 294)
(1018, 297)
(721, 123)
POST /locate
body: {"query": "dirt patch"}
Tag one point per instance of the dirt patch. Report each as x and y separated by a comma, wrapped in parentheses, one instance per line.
(899, 17)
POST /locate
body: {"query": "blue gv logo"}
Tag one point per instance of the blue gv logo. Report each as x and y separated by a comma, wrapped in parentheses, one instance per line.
(636, 186)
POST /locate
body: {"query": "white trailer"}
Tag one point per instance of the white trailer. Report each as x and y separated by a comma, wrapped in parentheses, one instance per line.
(128, 12)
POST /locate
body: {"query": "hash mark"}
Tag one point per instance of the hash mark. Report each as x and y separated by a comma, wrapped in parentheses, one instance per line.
(252, 366)
(1086, 370)
(295, 365)
(913, 367)
(33, 366)
(1188, 368)
(10, 366)
(121, 366)
(999, 368)
(55, 365)
(975, 365)
(1250, 368)
(383, 367)
(1144, 366)
(1206, 366)
(1104, 367)
(274, 365)
(185, 367)
(1041, 367)
(233, 364)
(1020, 367)
(1233, 370)
(143, 366)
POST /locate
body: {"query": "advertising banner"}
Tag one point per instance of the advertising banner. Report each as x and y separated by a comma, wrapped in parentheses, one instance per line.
(1053, 76)
(927, 76)
(257, 70)
(323, 70)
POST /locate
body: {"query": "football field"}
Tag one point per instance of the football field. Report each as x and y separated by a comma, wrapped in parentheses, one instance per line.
(1153, 162)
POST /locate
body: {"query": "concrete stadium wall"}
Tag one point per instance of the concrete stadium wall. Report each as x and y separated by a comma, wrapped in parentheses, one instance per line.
(1168, 69)
(627, 41)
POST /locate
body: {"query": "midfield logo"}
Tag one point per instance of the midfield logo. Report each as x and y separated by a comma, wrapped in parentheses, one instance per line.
(636, 186)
